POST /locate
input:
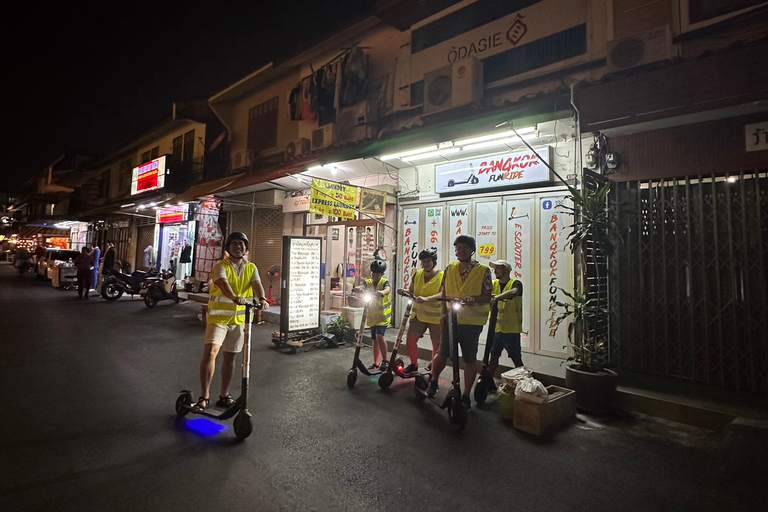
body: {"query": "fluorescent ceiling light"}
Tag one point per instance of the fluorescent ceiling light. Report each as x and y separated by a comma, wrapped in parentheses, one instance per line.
(412, 152)
(494, 136)
(127, 205)
(502, 142)
(432, 154)
(315, 168)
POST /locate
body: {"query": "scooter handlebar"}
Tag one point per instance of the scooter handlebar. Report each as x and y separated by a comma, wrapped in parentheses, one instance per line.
(453, 300)
(254, 304)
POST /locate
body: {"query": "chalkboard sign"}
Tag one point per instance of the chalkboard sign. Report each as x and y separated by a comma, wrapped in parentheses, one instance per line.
(300, 306)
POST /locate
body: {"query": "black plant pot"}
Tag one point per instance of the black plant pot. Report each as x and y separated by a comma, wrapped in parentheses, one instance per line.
(595, 392)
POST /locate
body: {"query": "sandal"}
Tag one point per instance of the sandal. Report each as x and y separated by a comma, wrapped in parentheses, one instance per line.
(225, 401)
(201, 405)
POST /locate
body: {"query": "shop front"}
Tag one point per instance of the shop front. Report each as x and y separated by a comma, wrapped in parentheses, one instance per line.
(174, 240)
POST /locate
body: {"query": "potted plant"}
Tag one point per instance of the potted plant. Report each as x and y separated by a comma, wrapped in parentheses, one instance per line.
(339, 328)
(592, 236)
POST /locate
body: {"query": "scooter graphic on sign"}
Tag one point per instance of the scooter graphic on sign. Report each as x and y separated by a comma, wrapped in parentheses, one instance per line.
(472, 180)
(513, 216)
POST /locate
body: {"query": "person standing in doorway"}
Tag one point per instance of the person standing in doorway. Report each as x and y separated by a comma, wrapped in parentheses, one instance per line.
(84, 265)
(425, 315)
(235, 282)
(508, 294)
(468, 280)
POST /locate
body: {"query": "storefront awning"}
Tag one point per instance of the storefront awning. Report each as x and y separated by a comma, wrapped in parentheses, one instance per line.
(206, 189)
(47, 232)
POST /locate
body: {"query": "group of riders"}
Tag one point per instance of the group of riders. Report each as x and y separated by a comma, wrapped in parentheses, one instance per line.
(236, 281)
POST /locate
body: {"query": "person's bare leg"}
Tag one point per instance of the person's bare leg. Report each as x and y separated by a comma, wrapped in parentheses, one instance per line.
(438, 365)
(411, 343)
(227, 372)
(492, 365)
(470, 372)
(382, 343)
(434, 336)
(207, 368)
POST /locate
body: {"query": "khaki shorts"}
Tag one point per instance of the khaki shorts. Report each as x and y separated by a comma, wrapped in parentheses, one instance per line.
(417, 328)
(228, 336)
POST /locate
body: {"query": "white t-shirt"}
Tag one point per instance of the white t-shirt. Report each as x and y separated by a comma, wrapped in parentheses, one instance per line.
(218, 272)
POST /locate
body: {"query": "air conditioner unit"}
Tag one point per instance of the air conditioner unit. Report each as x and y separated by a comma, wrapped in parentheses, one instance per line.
(453, 86)
(322, 137)
(644, 48)
(296, 148)
(357, 122)
(239, 159)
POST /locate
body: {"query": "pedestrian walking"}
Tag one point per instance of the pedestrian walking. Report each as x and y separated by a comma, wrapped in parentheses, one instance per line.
(84, 265)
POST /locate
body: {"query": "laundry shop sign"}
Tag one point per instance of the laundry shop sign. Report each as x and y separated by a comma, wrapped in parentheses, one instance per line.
(497, 171)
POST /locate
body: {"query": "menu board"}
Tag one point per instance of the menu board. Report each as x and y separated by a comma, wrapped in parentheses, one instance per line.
(300, 308)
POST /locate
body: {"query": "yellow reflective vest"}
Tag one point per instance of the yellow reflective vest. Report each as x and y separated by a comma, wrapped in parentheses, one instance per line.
(428, 312)
(510, 317)
(455, 287)
(380, 308)
(222, 310)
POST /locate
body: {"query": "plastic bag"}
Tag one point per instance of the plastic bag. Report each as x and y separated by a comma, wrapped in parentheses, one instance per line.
(531, 390)
(513, 376)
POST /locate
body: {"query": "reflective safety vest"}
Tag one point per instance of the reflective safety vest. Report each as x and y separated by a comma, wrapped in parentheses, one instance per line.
(222, 310)
(380, 308)
(510, 317)
(428, 312)
(455, 287)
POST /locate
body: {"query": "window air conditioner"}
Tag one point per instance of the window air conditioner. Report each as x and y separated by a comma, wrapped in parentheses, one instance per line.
(239, 159)
(356, 123)
(297, 148)
(453, 86)
(644, 48)
(322, 137)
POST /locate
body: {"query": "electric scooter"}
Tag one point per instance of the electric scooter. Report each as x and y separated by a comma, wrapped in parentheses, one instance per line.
(457, 415)
(357, 364)
(485, 383)
(243, 424)
(396, 364)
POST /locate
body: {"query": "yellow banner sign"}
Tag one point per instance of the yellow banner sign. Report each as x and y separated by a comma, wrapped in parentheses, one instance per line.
(332, 198)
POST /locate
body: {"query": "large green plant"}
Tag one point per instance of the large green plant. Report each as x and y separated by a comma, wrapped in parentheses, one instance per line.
(592, 235)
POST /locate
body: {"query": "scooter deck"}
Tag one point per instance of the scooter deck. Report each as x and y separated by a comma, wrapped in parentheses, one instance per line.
(434, 399)
(229, 412)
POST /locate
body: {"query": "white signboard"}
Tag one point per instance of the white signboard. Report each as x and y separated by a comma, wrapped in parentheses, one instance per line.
(459, 221)
(512, 31)
(486, 231)
(757, 136)
(518, 222)
(498, 171)
(303, 283)
(148, 176)
(410, 246)
(554, 271)
(434, 231)
(298, 203)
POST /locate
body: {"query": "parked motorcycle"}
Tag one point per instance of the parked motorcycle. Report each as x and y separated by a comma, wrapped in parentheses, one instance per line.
(160, 288)
(116, 283)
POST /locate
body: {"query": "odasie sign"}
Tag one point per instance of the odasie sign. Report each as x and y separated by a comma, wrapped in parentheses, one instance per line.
(493, 172)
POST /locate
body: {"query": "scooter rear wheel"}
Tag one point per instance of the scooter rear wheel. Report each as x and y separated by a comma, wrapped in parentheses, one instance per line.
(243, 425)
(481, 392)
(419, 387)
(351, 378)
(185, 399)
(457, 415)
(150, 302)
(385, 380)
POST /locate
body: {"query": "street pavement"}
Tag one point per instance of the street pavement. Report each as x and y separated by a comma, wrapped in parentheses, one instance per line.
(89, 424)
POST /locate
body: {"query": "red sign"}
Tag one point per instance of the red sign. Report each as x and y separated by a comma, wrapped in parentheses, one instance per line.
(148, 176)
(171, 214)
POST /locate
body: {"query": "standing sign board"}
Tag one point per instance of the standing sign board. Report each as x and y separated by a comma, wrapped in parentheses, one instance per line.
(300, 308)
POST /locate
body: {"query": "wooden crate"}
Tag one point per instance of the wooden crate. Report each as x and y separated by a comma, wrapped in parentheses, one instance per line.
(539, 419)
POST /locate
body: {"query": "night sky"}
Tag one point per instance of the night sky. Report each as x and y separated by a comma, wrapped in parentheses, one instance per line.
(78, 79)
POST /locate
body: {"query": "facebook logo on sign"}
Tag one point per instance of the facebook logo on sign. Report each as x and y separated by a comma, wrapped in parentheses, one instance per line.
(547, 204)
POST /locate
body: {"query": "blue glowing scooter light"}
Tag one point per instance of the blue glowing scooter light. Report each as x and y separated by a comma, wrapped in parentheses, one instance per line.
(204, 426)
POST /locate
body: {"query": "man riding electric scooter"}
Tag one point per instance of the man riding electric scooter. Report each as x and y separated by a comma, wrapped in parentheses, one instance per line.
(235, 281)
(470, 281)
(426, 314)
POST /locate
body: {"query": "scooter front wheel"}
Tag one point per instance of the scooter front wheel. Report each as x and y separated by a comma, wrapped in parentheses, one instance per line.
(457, 415)
(243, 425)
(481, 392)
(385, 380)
(183, 403)
(351, 378)
(150, 302)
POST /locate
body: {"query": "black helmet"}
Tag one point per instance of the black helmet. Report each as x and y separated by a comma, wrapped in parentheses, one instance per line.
(378, 266)
(465, 239)
(429, 253)
(237, 235)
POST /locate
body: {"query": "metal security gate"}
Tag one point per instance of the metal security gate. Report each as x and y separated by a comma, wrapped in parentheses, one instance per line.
(264, 228)
(688, 284)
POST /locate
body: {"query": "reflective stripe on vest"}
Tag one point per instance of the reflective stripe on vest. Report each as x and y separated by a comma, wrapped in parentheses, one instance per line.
(455, 287)
(510, 318)
(428, 312)
(222, 310)
(380, 308)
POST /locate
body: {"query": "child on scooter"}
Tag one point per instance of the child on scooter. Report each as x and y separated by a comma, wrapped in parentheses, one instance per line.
(379, 312)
